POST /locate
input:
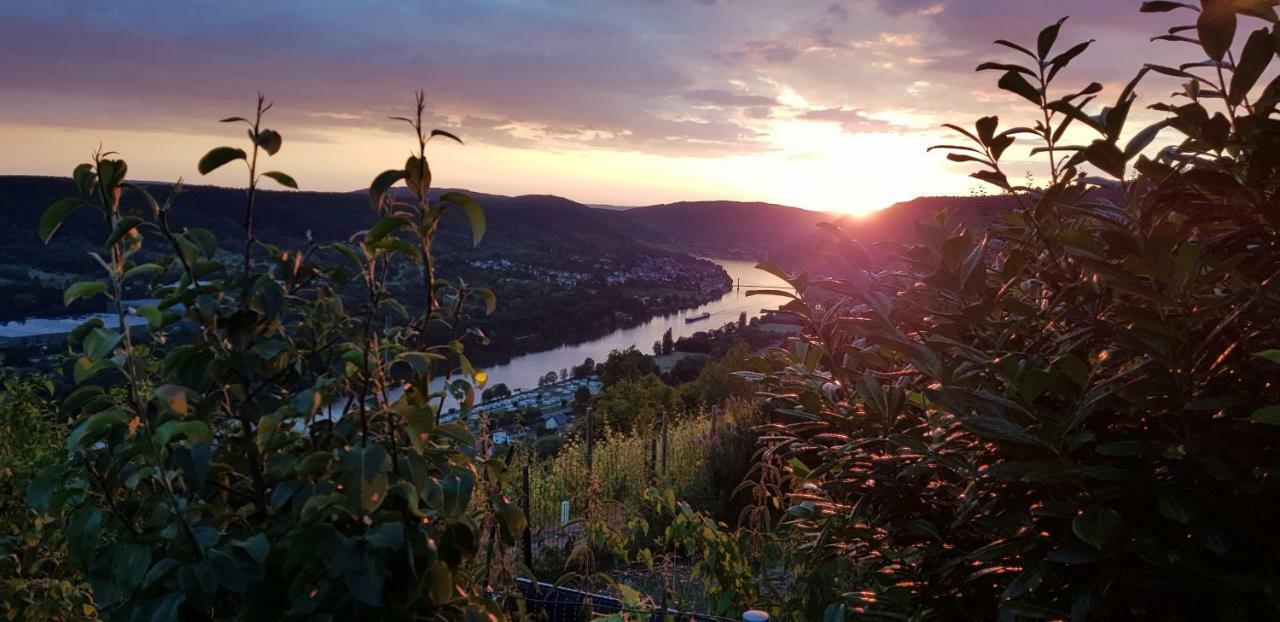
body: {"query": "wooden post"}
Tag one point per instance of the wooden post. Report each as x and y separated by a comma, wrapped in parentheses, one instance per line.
(588, 441)
(665, 447)
(652, 462)
(528, 524)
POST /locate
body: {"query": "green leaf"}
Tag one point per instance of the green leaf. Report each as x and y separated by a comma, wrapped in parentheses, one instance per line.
(153, 316)
(83, 289)
(1253, 61)
(111, 172)
(55, 214)
(1161, 6)
(40, 490)
(1174, 504)
(381, 184)
(173, 397)
(475, 215)
(458, 486)
(217, 157)
(129, 564)
(1269, 415)
(365, 482)
(84, 177)
(1216, 27)
(100, 342)
(386, 227)
(1107, 157)
(1048, 36)
(1062, 60)
(282, 179)
(123, 227)
(192, 429)
(417, 175)
(142, 270)
(1144, 138)
(490, 299)
(269, 140)
(93, 427)
(83, 531)
(256, 547)
(1271, 355)
(85, 368)
(447, 135)
(1100, 527)
(315, 464)
(511, 519)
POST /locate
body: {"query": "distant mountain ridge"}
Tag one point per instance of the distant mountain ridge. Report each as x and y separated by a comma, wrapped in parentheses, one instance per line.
(750, 230)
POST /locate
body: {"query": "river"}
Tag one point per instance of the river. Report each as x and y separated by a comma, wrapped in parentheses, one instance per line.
(524, 371)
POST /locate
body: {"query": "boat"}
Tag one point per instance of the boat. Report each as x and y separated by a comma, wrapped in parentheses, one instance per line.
(697, 318)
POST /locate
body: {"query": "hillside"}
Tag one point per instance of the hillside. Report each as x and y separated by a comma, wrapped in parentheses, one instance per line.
(552, 232)
(726, 228)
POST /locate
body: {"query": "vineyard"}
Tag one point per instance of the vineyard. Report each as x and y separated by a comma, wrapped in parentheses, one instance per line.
(609, 477)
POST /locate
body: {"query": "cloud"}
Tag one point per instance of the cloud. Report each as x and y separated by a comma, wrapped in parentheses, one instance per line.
(850, 120)
(671, 76)
(720, 97)
(908, 7)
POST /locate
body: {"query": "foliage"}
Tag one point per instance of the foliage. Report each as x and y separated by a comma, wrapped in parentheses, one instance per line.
(496, 392)
(246, 455)
(717, 381)
(634, 404)
(1072, 416)
(36, 580)
(626, 364)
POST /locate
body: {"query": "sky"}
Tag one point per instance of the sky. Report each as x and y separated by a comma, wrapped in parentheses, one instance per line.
(818, 104)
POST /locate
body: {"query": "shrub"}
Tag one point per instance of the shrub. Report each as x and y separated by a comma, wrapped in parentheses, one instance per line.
(265, 465)
(1074, 414)
(36, 580)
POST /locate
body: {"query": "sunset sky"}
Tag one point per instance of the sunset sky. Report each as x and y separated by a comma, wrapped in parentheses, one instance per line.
(817, 104)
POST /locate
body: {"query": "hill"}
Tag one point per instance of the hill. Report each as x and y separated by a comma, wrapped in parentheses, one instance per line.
(543, 232)
(726, 228)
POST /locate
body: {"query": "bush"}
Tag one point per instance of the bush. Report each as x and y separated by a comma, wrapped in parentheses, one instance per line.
(1070, 416)
(36, 580)
(263, 467)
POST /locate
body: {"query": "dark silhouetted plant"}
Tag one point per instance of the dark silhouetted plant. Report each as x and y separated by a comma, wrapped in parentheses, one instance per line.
(259, 447)
(1069, 416)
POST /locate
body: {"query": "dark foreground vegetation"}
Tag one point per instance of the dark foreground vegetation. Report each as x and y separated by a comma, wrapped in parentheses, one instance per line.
(1071, 414)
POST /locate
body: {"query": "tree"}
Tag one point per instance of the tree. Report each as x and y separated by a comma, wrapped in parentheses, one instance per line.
(586, 369)
(548, 379)
(496, 392)
(742, 321)
(668, 344)
(634, 403)
(581, 396)
(625, 364)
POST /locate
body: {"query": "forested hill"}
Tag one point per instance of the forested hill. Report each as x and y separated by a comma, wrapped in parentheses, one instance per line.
(286, 217)
(540, 230)
(726, 228)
